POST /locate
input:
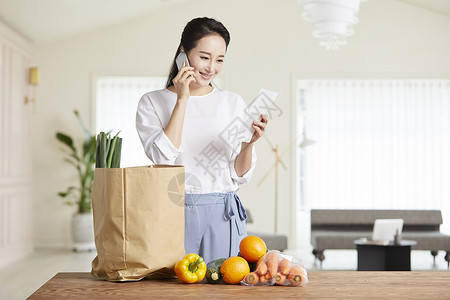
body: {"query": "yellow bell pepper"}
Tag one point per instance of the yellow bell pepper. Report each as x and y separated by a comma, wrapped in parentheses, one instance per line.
(191, 268)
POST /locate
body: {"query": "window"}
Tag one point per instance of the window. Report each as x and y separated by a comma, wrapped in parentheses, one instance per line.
(116, 104)
(381, 144)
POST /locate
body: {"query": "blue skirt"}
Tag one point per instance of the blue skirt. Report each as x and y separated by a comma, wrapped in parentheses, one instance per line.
(214, 225)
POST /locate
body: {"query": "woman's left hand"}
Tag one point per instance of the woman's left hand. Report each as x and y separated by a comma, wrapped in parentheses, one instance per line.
(259, 128)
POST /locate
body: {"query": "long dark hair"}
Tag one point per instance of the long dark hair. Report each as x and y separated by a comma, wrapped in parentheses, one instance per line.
(193, 31)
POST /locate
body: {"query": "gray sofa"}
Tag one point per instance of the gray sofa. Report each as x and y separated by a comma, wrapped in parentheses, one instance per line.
(338, 228)
(273, 241)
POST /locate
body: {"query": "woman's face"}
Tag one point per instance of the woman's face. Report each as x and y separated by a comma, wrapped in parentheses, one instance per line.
(207, 59)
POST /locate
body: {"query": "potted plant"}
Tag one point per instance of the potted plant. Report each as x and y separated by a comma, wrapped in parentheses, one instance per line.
(83, 161)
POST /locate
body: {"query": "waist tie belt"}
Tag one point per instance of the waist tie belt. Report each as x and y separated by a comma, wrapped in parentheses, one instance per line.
(234, 210)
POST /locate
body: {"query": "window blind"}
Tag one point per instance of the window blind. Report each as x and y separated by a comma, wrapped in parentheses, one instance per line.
(116, 104)
(381, 144)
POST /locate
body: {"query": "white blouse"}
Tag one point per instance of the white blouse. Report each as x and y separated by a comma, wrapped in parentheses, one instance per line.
(214, 128)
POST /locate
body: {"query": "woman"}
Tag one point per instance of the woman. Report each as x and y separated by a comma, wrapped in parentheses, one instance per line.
(191, 123)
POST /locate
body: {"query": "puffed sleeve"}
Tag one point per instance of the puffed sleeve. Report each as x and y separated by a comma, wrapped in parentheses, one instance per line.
(242, 112)
(157, 145)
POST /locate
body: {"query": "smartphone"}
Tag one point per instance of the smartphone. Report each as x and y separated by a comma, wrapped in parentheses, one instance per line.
(181, 58)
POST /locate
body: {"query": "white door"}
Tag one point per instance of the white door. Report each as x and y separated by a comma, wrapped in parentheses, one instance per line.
(15, 147)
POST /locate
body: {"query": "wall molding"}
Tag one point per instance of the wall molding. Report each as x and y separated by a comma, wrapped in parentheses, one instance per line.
(15, 149)
(15, 181)
(14, 40)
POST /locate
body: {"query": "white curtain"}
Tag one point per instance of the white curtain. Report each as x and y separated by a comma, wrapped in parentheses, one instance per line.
(381, 144)
(115, 109)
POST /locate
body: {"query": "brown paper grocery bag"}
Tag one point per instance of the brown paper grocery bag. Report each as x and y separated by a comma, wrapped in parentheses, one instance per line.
(138, 222)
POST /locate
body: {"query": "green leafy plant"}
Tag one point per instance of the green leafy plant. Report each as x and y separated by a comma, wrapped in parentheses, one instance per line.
(83, 161)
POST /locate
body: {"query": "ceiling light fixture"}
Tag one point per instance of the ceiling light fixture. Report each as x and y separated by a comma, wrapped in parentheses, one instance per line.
(333, 20)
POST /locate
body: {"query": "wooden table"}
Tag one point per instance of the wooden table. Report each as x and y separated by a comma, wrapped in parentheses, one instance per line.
(322, 285)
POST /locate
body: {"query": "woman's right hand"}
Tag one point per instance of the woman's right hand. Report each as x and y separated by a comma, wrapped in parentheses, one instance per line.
(182, 81)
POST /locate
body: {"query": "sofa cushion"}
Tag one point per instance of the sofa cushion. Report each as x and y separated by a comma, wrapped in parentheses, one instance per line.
(368, 217)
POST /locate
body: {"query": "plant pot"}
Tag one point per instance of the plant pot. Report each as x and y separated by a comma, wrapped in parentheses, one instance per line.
(83, 232)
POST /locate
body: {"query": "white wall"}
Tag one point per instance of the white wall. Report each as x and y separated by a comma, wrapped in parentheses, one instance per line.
(270, 43)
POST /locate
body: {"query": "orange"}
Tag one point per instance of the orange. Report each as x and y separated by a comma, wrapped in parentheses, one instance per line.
(234, 269)
(252, 248)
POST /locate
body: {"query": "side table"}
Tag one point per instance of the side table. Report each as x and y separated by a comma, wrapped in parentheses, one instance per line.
(373, 256)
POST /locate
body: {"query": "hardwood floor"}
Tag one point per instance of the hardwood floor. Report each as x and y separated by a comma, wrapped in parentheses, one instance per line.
(21, 278)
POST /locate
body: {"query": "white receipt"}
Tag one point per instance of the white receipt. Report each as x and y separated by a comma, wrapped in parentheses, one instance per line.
(240, 129)
(263, 104)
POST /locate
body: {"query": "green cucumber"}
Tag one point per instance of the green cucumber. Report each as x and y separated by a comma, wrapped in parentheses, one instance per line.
(213, 270)
(252, 266)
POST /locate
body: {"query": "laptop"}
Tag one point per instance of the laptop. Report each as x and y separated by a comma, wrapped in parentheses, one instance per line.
(384, 230)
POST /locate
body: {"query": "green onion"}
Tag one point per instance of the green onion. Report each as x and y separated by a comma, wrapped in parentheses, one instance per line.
(108, 150)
